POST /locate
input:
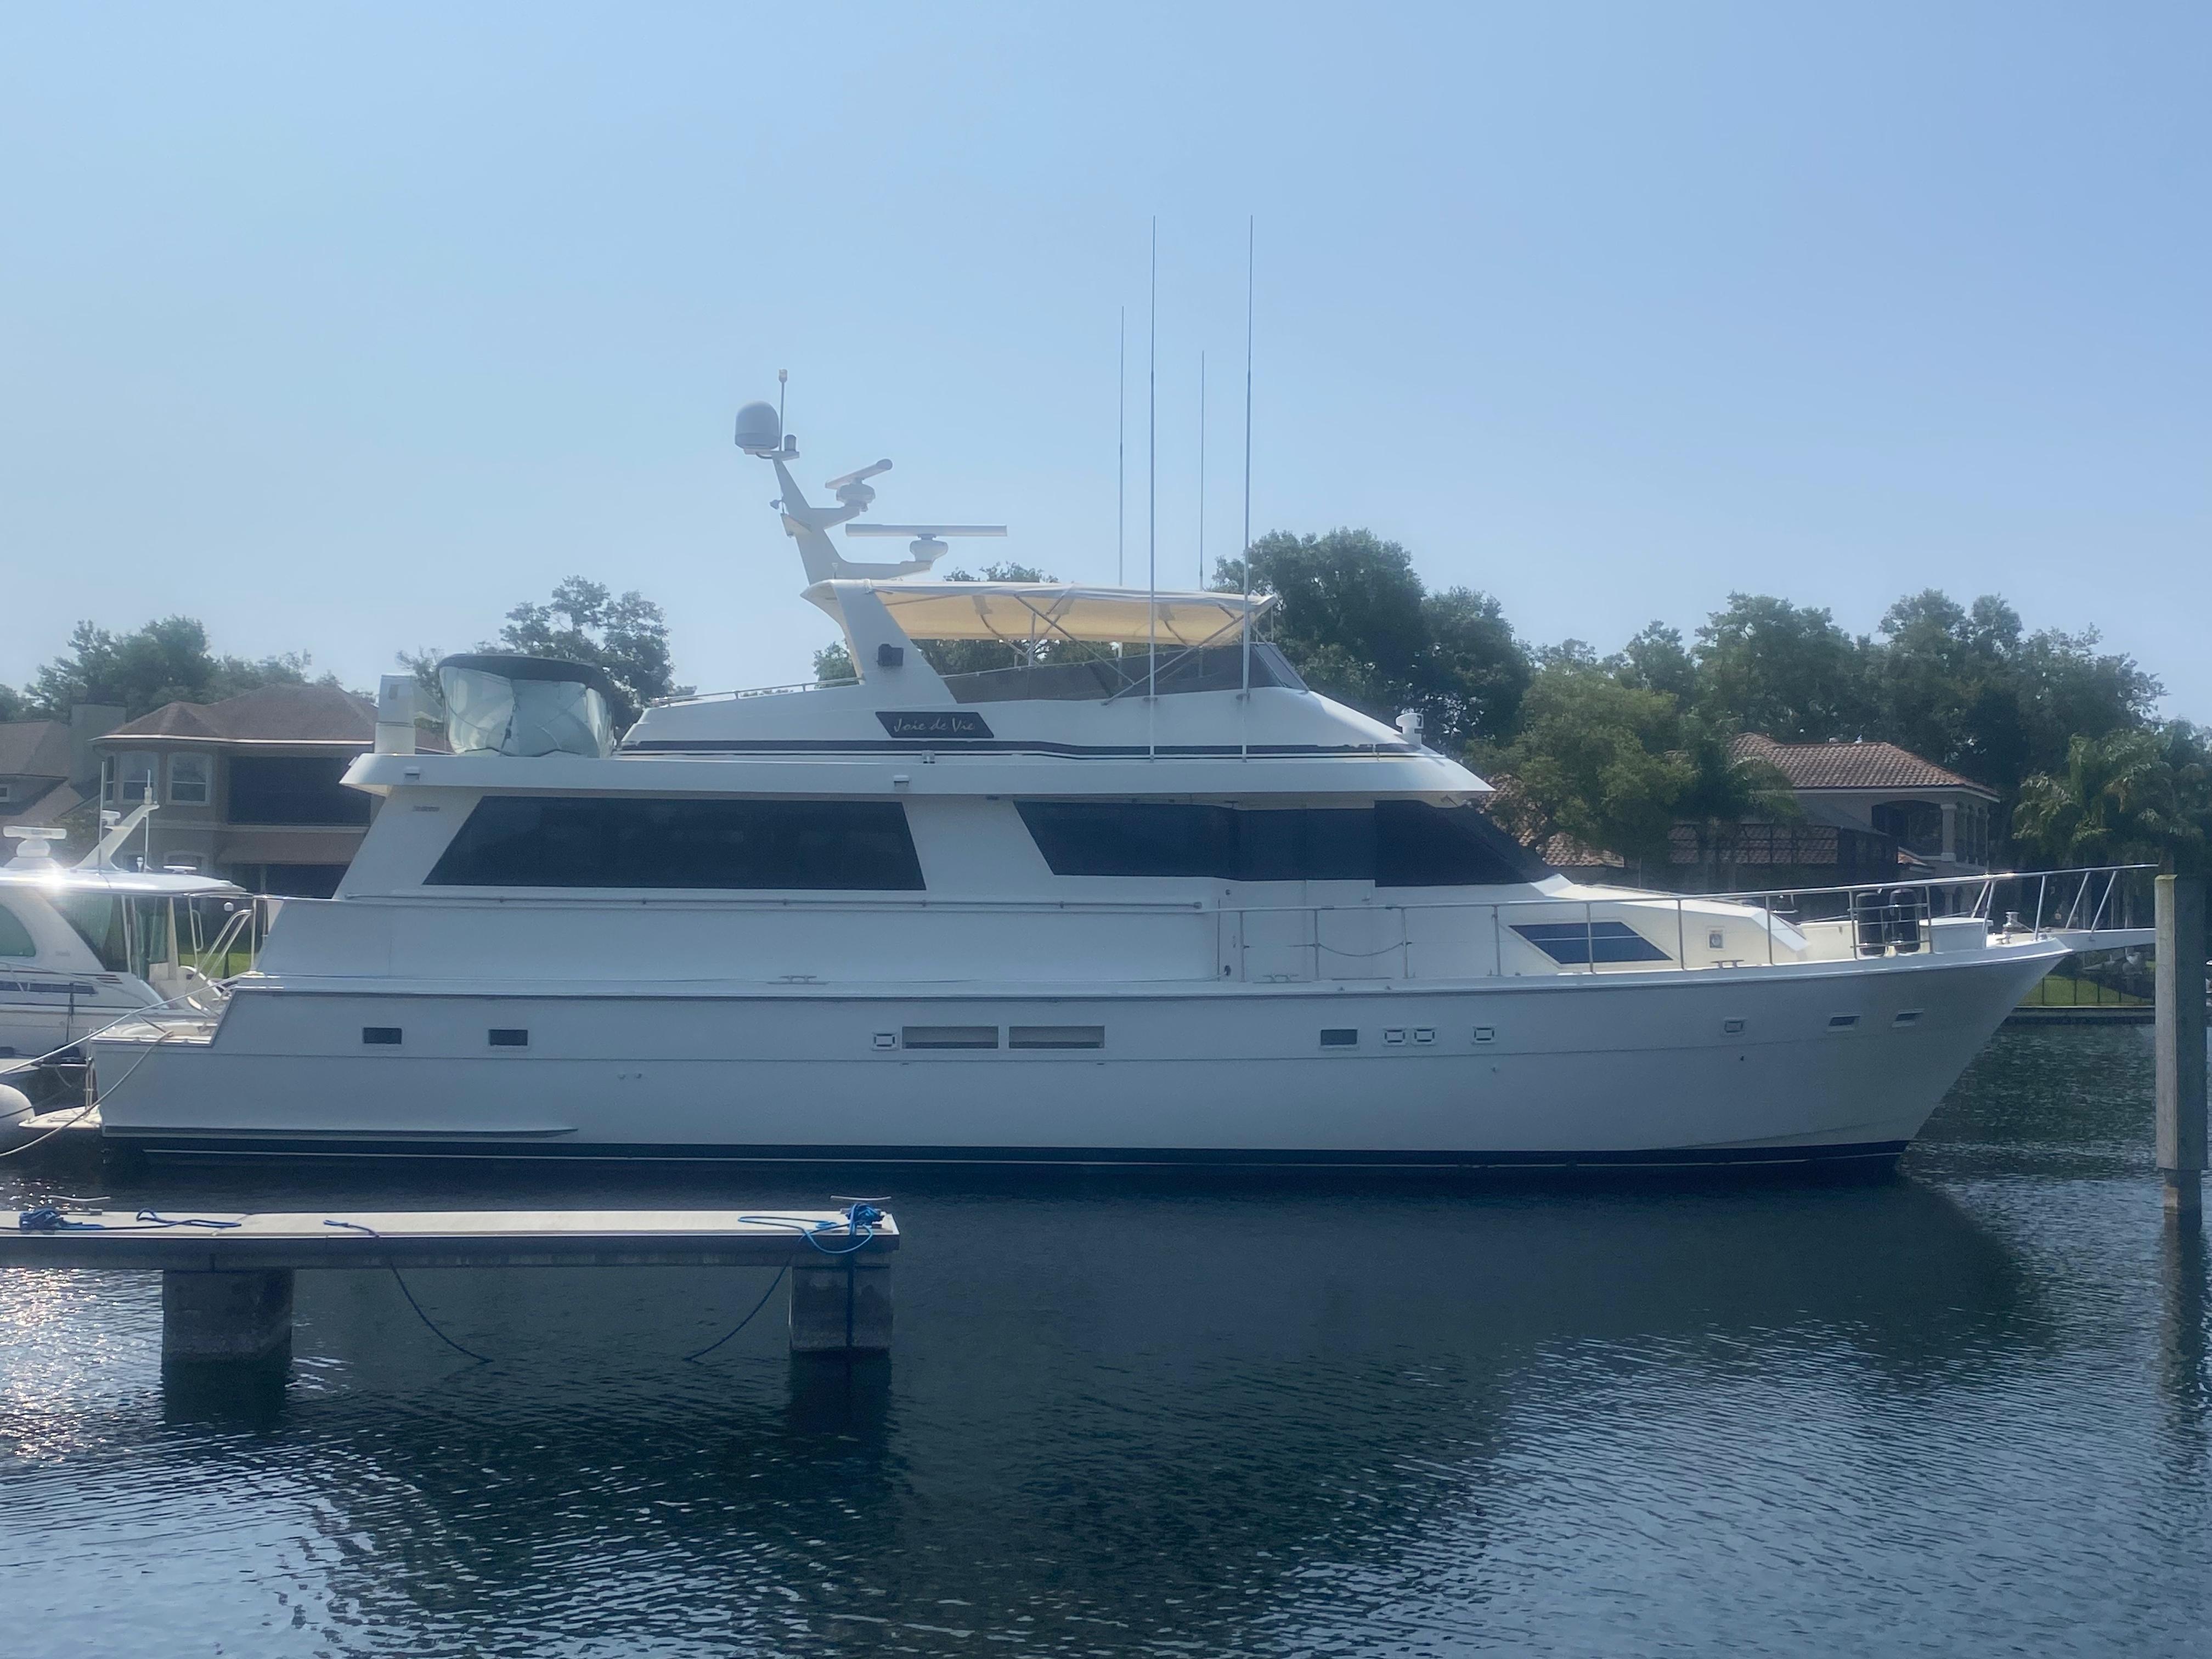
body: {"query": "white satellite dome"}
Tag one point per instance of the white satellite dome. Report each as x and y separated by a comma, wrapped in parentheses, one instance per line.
(760, 430)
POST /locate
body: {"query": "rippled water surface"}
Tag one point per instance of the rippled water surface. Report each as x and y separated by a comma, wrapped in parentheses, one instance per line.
(1964, 1411)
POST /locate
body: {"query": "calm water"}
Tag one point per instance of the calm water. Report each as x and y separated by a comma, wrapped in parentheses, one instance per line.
(1964, 1413)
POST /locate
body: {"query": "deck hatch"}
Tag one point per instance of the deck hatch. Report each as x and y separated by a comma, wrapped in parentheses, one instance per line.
(1570, 943)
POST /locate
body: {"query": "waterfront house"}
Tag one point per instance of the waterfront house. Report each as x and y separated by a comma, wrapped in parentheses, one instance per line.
(50, 772)
(1868, 812)
(248, 788)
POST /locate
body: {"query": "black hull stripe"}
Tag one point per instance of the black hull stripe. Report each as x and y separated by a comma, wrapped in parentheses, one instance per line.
(986, 746)
(1688, 1157)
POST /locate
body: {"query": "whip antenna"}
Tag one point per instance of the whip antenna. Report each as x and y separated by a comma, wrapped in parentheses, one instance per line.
(1245, 695)
(1152, 507)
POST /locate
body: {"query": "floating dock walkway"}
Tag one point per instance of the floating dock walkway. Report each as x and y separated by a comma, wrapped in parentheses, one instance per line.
(227, 1278)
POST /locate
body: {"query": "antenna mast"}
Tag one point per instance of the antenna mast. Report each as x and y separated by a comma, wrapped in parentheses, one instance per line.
(1121, 451)
(1245, 695)
(1152, 507)
(1201, 470)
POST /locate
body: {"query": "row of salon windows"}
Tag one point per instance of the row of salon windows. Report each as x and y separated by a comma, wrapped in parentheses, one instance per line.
(289, 789)
(860, 846)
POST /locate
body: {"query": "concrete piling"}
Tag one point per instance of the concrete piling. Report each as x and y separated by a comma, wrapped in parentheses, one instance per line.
(2181, 1042)
(842, 1307)
(227, 1317)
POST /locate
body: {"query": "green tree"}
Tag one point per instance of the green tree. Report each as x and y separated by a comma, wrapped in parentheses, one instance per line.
(1357, 621)
(2120, 799)
(166, 661)
(1656, 660)
(583, 621)
(1783, 670)
(1971, 689)
(1595, 761)
(1722, 789)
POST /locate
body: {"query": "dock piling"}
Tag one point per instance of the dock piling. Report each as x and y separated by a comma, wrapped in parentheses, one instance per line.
(2181, 1042)
(842, 1307)
(227, 1317)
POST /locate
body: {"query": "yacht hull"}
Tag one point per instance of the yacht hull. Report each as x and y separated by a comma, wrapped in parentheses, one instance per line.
(1795, 1064)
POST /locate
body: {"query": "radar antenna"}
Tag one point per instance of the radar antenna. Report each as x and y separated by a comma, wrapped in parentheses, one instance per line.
(760, 433)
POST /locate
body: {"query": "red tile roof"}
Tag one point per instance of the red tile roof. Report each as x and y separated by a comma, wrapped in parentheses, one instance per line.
(1861, 765)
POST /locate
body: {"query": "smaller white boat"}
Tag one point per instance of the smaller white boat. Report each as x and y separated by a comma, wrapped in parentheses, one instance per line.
(83, 945)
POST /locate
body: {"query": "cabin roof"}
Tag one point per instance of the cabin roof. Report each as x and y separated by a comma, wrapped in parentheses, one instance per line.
(1018, 612)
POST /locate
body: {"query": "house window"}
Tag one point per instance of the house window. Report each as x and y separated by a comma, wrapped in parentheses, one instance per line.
(14, 938)
(128, 779)
(190, 779)
(294, 789)
(1915, 825)
(6, 790)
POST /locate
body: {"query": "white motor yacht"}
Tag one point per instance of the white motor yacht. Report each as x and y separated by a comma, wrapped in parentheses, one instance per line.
(1141, 896)
(83, 945)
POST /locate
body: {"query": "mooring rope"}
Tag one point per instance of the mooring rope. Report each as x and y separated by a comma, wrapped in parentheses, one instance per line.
(742, 1323)
(428, 1324)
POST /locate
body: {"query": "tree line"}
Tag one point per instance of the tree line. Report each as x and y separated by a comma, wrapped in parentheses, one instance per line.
(1610, 750)
(1613, 750)
(169, 659)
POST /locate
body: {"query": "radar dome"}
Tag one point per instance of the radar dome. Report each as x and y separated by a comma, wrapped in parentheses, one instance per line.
(760, 430)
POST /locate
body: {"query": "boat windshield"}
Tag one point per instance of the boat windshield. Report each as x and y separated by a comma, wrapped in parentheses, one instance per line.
(129, 933)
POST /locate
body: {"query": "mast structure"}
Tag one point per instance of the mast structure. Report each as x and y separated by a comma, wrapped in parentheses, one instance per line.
(1121, 451)
(1201, 469)
(1245, 693)
(1152, 505)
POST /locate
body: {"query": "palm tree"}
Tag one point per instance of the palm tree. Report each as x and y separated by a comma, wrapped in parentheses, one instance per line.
(1725, 789)
(2117, 802)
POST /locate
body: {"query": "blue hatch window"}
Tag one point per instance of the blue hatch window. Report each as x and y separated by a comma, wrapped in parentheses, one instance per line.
(1569, 942)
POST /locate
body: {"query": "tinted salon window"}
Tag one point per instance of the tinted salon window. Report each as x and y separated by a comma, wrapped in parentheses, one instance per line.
(1132, 838)
(526, 841)
(1417, 845)
(1393, 844)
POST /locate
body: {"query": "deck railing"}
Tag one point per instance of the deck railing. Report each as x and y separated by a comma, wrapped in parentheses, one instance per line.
(1837, 923)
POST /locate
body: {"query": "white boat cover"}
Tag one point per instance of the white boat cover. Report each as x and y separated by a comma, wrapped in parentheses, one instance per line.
(1017, 612)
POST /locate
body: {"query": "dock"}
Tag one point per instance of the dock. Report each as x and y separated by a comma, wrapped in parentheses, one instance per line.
(227, 1278)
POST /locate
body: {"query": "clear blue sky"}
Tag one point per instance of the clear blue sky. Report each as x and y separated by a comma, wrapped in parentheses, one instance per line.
(345, 328)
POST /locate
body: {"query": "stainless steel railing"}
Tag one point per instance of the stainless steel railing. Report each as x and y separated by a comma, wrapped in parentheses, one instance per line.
(1787, 924)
